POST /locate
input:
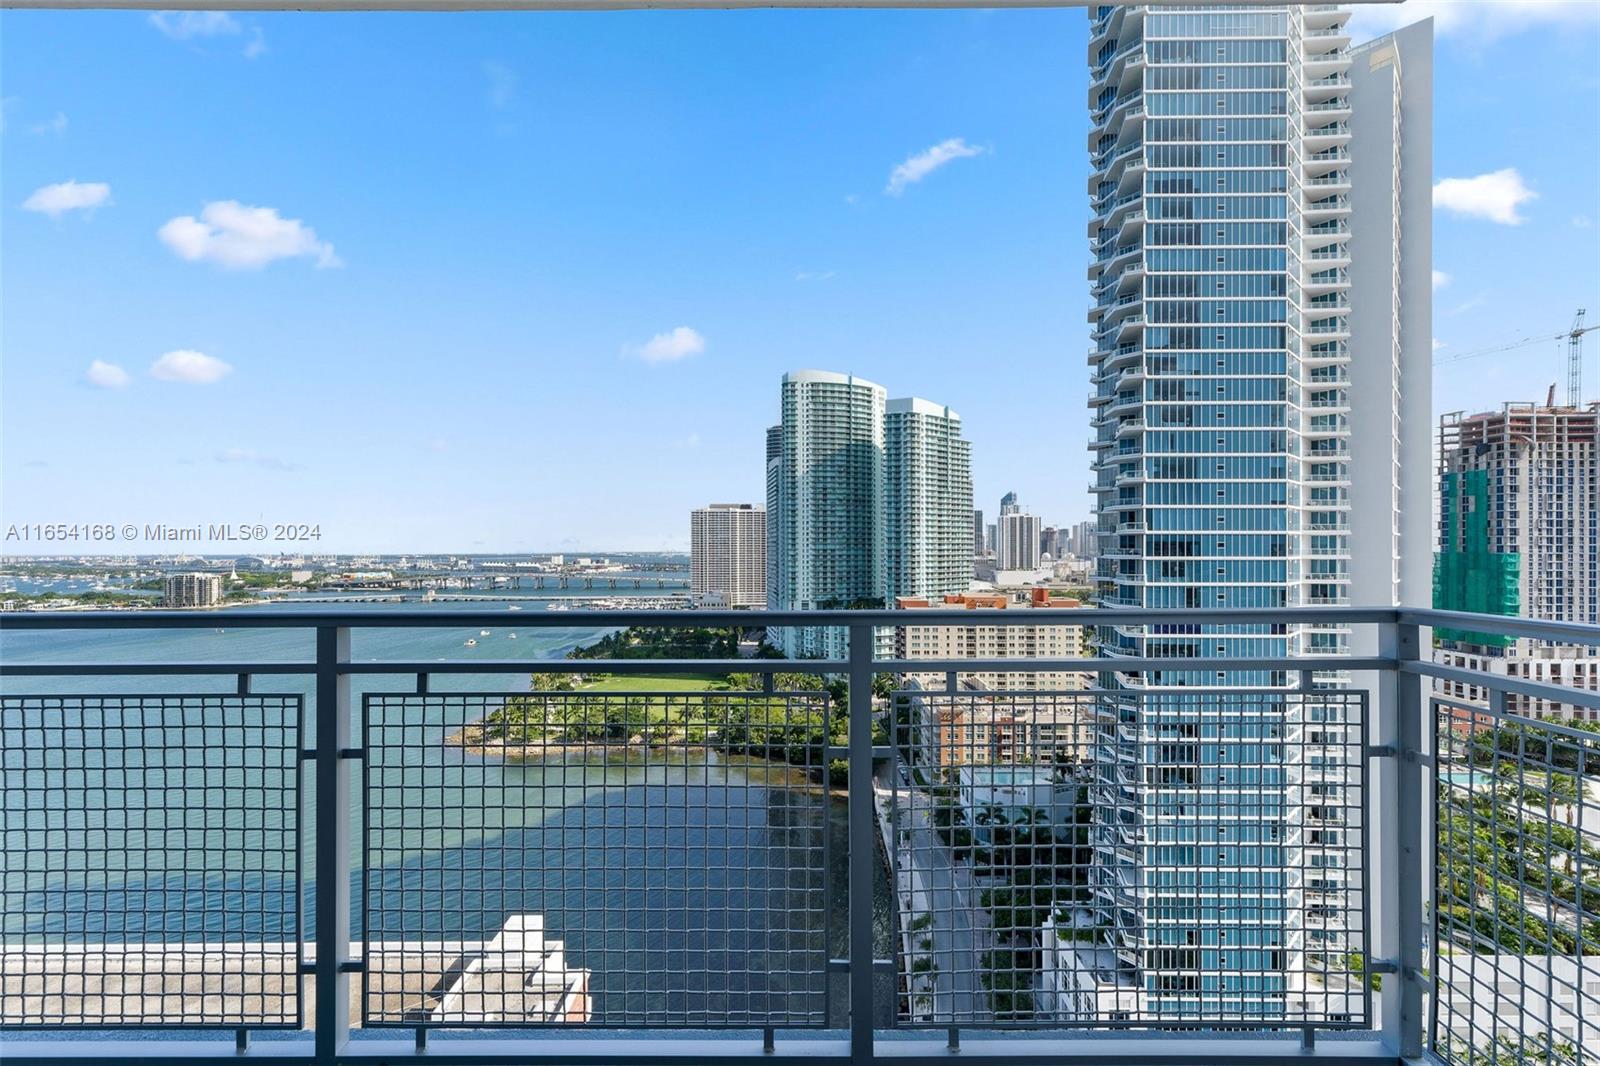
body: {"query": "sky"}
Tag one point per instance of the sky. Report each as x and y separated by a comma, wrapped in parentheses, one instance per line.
(528, 281)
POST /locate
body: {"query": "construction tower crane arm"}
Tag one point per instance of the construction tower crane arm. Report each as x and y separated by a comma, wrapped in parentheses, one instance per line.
(1574, 339)
(1575, 360)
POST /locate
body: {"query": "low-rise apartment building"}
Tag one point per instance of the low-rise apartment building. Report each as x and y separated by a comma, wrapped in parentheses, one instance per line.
(1046, 640)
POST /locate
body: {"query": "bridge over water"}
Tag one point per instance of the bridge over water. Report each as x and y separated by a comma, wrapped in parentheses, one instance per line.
(548, 581)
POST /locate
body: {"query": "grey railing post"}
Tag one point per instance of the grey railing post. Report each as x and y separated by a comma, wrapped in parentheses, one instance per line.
(332, 819)
(1414, 734)
(863, 852)
(1401, 837)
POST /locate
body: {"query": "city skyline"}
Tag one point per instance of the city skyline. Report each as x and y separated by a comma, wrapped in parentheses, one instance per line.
(368, 705)
(231, 378)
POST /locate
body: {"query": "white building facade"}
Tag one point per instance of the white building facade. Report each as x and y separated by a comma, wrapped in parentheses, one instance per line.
(1018, 548)
(728, 555)
(1046, 640)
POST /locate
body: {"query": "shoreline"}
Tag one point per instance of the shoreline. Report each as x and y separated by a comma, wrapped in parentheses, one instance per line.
(471, 740)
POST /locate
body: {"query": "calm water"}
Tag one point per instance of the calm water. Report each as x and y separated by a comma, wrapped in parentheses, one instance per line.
(684, 885)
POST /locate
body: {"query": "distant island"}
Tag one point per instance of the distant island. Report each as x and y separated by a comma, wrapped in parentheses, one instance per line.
(65, 583)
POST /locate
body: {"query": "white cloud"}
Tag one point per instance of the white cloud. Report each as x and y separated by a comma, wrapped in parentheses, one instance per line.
(190, 367)
(56, 125)
(1440, 280)
(1582, 221)
(1494, 196)
(1437, 344)
(56, 200)
(182, 25)
(187, 25)
(241, 237)
(671, 347)
(1478, 22)
(927, 161)
(502, 84)
(255, 458)
(106, 375)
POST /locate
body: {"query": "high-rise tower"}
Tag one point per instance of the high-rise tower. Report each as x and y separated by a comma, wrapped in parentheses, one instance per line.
(1018, 546)
(927, 499)
(728, 555)
(867, 498)
(827, 488)
(1519, 534)
(1229, 146)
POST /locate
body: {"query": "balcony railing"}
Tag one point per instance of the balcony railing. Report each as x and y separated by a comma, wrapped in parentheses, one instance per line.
(278, 846)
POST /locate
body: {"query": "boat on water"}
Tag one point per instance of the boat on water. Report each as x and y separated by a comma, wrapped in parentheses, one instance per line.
(511, 636)
(471, 642)
(483, 632)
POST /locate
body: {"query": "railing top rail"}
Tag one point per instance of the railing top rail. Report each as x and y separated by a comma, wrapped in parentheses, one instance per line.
(401, 667)
(1539, 690)
(1536, 628)
(435, 666)
(1501, 719)
(244, 617)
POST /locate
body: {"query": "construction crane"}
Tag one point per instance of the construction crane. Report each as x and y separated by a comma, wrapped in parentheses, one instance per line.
(1575, 360)
(1574, 339)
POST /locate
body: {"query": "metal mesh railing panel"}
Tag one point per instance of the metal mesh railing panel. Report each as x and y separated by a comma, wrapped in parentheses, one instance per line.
(1516, 890)
(1101, 860)
(151, 861)
(628, 859)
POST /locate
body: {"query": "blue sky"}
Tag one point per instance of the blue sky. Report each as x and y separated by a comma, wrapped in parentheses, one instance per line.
(527, 282)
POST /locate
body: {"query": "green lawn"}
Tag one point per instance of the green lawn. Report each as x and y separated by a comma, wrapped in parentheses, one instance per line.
(658, 683)
(681, 706)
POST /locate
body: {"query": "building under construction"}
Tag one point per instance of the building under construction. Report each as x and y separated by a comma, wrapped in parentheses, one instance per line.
(1519, 534)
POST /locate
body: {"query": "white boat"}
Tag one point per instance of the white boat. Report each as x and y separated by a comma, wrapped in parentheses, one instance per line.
(471, 643)
(512, 636)
(483, 632)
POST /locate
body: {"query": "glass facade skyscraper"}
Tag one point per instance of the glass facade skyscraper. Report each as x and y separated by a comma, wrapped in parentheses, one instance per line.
(825, 497)
(928, 499)
(867, 499)
(1222, 363)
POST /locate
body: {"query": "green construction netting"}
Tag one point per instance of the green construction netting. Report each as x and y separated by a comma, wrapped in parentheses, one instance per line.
(1468, 576)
